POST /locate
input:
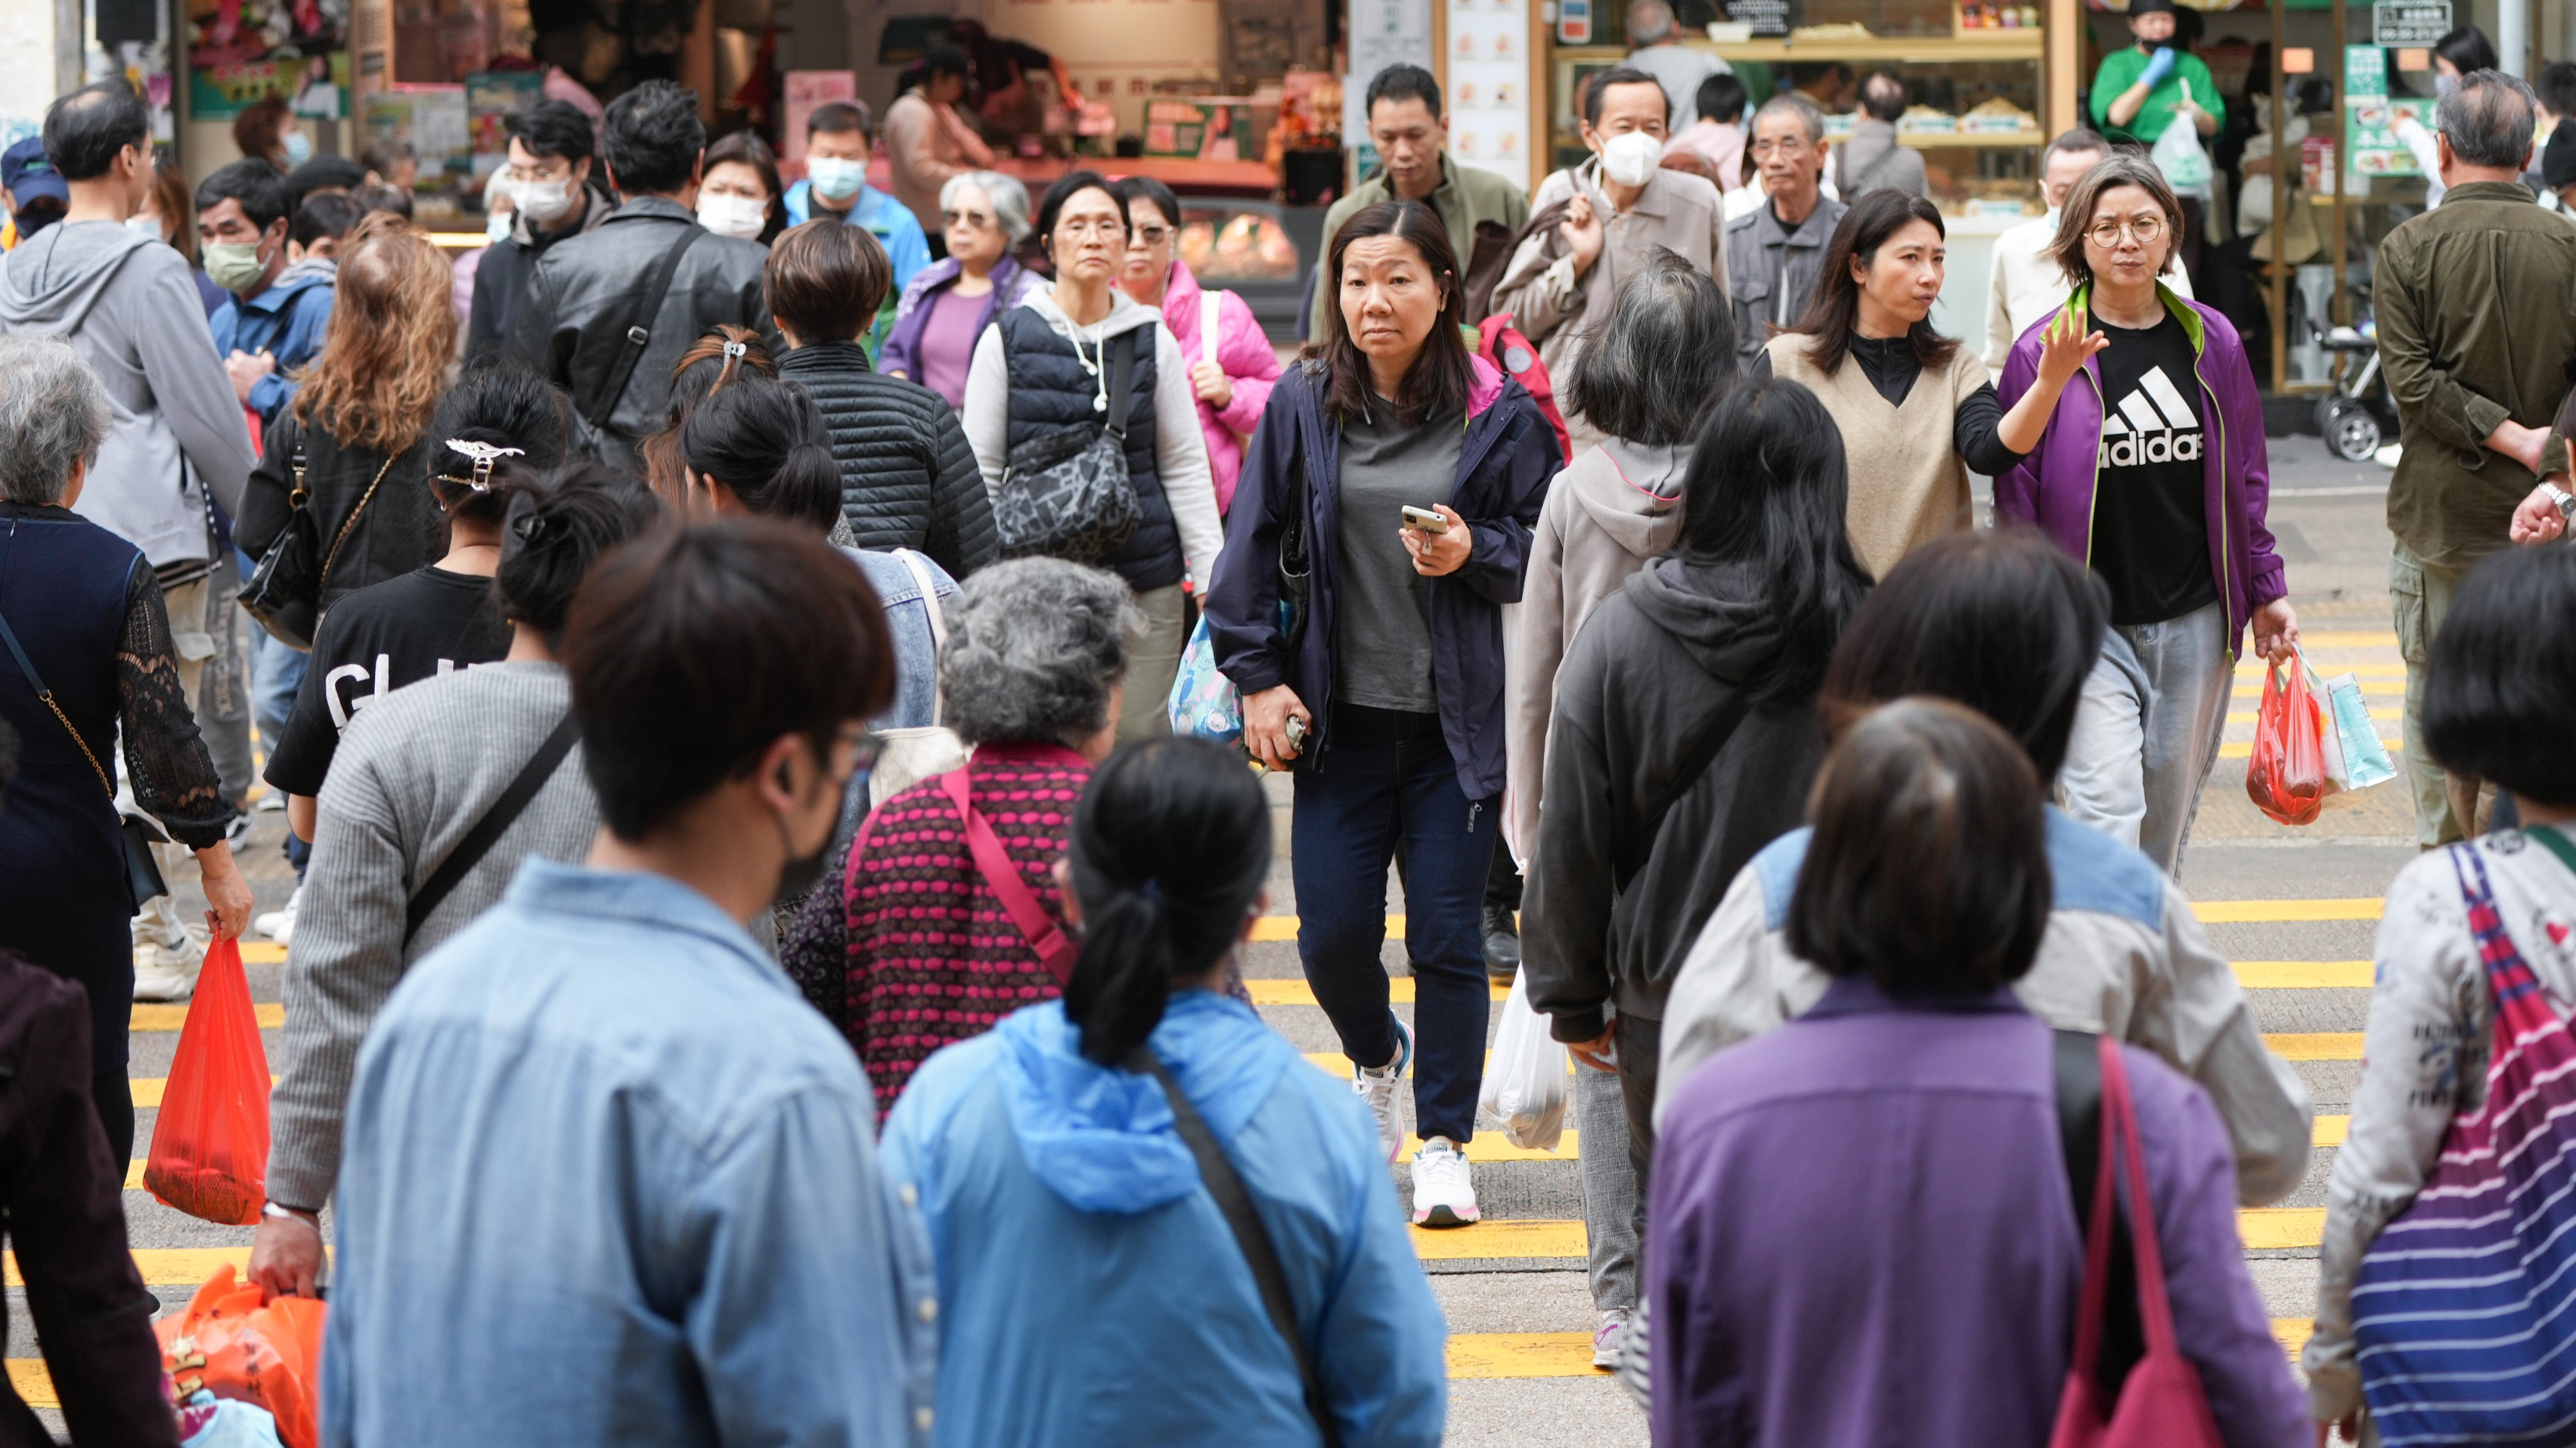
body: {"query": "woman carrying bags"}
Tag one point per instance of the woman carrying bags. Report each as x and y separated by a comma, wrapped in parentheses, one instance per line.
(2153, 472)
(1395, 476)
(1917, 412)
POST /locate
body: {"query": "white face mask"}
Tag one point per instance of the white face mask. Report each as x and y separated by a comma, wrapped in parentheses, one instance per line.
(496, 226)
(145, 224)
(732, 215)
(836, 178)
(1631, 157)
(543, 200)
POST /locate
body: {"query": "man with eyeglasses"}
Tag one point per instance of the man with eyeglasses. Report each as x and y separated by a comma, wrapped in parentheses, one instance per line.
(549, 196)
(1775, 250)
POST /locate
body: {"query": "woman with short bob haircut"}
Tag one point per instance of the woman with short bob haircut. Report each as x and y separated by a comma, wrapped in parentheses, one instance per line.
(1918, 413)
(1051, 1145)
(2154, 474)
(1918, 1089)
(2501, 687)
(1393, 672)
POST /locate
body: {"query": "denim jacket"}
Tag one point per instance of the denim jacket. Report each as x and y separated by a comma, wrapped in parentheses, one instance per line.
(609, 1180)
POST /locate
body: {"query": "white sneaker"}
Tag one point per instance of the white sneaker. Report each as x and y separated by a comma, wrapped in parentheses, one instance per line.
(167, 972)
(1443, 1195)
(1378, 1086)
(1605, 1338)
(279, 925)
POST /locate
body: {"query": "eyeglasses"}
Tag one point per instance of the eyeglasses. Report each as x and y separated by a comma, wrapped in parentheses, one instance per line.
(864, 745)
(1149, 237)
(1778, 146)
(1109, 228)
(2107, 234)
(975, 219)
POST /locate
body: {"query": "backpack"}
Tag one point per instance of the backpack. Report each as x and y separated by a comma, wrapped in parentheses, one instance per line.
(1516, 356)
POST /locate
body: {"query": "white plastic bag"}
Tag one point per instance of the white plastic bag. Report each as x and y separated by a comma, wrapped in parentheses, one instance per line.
(1524, 1091)
(2177, 153)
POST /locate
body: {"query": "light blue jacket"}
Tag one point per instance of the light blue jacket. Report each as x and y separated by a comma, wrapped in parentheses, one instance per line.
(1091, 1293)
(889, 220)
(283, 322)
(609, 1182)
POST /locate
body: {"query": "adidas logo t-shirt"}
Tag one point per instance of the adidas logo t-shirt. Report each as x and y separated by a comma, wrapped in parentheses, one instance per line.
(2151, 539)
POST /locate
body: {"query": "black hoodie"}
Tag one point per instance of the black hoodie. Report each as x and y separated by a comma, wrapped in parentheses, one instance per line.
(1637, 841)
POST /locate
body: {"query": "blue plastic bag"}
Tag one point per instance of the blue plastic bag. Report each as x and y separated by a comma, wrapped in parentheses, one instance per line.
(1204, 703)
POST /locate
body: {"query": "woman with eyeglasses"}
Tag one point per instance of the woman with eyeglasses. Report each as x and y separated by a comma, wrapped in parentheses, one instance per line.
(1078, 360)
(950, 302)
(2154, 473)
(1916, 409)
(1231, 371)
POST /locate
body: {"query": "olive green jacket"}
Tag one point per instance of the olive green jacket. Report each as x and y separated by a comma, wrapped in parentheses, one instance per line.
(1465, 196)
(2475, 326)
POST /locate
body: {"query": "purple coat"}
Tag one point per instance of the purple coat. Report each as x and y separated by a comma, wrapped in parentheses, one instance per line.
(2053, 486)
(1012, 284)
(1863, 1234)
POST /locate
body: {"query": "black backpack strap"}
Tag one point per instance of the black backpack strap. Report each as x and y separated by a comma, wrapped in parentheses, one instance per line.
(1122, 379)
(488, 830)
(644, 307)
(1234, 1202)
(2079, 1130)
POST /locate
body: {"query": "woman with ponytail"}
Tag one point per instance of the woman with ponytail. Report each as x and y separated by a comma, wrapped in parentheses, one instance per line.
(760, 447)
(417, 770)
(1051, 1144)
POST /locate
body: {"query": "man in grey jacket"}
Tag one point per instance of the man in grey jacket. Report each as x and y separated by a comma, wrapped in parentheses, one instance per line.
(1774, 251)
(129, 306)
(580, 321)
(1873, 159)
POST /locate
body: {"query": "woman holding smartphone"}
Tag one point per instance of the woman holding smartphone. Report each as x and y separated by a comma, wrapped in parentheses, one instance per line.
(1387, 695)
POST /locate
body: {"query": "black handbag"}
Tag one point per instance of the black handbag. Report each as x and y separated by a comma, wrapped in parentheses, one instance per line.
(284, 594)
(1065, 493)
(142, 873)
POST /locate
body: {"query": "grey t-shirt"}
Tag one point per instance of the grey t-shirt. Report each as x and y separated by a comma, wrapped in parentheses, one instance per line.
(1383, 652)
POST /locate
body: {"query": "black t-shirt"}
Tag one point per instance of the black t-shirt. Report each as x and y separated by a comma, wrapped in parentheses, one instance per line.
(372, 642)
(2150, 508)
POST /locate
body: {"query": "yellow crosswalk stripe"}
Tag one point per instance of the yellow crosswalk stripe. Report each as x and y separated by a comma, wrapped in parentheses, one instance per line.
(2292, 1333)
(170, 1018)
(2263, 1228)
(2276, 1228)
(2303, 974)
(2211, 912)
(161, 1267)
(1334, 1063)
(1522, 1355)
(148, 1090)
(2348, 639)
(33, 1385)
(2246, 749)
(2316, 1045)
(1494, 1146)
(1276, 992)
(262, 952)
(2328, 1130)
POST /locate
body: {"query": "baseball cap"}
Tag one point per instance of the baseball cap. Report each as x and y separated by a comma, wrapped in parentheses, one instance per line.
(28, 175)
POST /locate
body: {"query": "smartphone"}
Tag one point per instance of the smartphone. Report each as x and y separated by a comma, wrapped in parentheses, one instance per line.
(1424, 519)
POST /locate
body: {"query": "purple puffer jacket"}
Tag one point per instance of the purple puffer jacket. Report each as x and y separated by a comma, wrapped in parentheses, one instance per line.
(1012, 284)
(2053, 487)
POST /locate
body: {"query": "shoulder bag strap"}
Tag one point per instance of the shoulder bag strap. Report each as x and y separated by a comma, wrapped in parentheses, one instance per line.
(1234, 1202)
(938, 623)
(1054, 951)
(2119, 1339)
(347, 527)
(646, 305)
(45, 696)
(1210, 303)
(488, 830)
(1122, 378)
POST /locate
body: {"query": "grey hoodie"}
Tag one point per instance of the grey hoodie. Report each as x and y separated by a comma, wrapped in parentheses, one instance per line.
(1614, 507)
(130, 308)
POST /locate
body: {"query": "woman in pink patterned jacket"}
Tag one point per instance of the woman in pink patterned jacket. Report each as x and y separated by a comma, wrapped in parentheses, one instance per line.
(908, 945)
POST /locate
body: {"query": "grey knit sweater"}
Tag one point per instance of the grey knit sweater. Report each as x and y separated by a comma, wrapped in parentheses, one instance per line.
(416, 770)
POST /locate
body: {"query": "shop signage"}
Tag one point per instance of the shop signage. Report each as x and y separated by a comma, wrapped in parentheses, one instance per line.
(2409, 22)
(1770, 19)
(2371, 116)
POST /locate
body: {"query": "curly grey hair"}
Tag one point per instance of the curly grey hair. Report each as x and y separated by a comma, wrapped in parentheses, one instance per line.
(53, 413)
(1010, 200)
(1035, 647)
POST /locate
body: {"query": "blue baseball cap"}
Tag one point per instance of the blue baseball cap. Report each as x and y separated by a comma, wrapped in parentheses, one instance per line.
(28, 175)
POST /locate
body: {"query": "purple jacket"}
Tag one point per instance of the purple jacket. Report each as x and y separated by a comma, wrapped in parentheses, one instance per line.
(1864, 1235)
(2053, 487)
(1012, 284)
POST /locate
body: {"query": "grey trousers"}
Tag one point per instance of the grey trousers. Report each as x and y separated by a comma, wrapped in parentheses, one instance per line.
(2448, 807)
(1153, 657)
(1609, 1187)
(2147, 731)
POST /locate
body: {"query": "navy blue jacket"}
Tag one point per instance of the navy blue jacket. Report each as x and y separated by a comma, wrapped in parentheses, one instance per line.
(1503, 472)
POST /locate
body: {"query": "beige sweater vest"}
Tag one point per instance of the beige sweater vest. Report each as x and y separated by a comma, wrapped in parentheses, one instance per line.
(1908, 485)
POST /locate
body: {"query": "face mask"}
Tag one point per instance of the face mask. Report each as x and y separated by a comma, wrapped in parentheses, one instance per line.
(299, 147)
(2445, 84)
(836, 179)
(732, 215)
(144, 226)
(1630, 159)
(543, 201)
(235, 265)
(496, 227)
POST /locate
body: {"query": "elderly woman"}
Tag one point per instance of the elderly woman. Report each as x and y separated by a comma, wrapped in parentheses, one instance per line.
(912, 943)
(87, 660)
(1232, 365)
(948, 305)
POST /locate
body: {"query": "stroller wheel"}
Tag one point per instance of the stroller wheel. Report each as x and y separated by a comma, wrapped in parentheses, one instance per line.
(2352, 434)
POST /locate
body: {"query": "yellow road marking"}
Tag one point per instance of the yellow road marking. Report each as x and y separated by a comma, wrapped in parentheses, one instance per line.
(33, 1385)
(262, 952)
(2316, 1046)
(170, 1018)
(148, 1089)
(2328, 1130)
(2348, 640)
(2292, 1333)
(2303, 974)
(1297, 993)
(1526, 1237)
(161, 1267)
(2275, 1228)
(1334, 1063)
(1494, 1146)
(2211, 912)
(1522, 1355)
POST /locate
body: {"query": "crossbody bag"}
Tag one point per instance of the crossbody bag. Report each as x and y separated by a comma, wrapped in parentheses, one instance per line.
(1065, 493)
(487, 831)
(142, 873)
(284, 594)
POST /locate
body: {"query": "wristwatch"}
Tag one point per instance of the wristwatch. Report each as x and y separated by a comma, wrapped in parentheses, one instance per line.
(2565, 500)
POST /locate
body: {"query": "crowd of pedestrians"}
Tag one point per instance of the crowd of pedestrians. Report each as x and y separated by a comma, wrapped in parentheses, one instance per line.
(761, 969)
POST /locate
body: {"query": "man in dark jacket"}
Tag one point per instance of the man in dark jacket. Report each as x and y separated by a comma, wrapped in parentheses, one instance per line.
(581, 327)
(908, 479)
(60, 1194)
(552, 198)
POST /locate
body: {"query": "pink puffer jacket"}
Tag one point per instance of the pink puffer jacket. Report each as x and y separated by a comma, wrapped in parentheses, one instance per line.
(1249, 363)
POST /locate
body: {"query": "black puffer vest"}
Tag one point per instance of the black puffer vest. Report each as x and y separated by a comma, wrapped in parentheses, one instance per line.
(1050, 389)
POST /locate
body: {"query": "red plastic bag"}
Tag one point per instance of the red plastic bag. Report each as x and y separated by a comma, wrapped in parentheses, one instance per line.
(228, 1344)
(2286, 778)
(210, 1145)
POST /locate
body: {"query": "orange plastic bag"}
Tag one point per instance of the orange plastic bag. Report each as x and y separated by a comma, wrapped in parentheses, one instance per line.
(210, 1145)
(228, 1344)
(2286, 778)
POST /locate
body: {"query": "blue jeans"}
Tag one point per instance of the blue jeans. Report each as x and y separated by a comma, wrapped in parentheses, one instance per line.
(1386, 779)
